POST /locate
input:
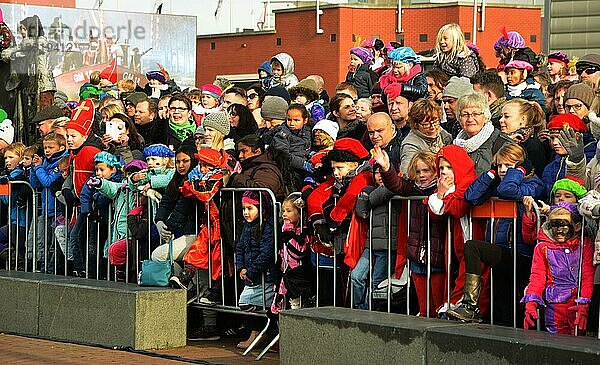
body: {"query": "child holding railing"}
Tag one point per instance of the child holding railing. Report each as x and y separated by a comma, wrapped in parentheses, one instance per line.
(511, 178)
(420, 181)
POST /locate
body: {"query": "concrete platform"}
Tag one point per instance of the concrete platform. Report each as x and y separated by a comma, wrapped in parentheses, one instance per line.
(89, 311)
(344, 336)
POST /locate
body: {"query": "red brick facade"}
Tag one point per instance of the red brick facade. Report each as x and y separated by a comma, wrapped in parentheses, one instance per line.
(317, 53)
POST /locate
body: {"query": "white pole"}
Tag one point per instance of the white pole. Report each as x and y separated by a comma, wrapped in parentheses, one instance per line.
(474, 34)
(482, 28)
(399, 30)
(319, 12)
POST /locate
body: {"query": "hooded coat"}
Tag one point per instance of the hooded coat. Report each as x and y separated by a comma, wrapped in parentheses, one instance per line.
(288, 79)
(43, 176)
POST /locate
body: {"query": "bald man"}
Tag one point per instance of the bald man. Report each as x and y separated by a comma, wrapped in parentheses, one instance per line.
(382, 132)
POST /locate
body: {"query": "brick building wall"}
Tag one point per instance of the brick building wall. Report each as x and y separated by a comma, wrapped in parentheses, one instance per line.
(319, 53)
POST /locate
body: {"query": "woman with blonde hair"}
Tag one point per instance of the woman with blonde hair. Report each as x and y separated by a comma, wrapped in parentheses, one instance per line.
(522, 120)
(452, 54)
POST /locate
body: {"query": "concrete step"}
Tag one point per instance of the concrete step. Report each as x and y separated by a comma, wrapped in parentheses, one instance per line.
(89, 311)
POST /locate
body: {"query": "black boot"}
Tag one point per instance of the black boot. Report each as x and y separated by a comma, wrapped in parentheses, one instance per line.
(183, 279)
(468, 311)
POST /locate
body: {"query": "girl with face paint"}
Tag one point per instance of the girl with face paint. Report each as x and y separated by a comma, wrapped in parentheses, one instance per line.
(511, 177)
(553, 284)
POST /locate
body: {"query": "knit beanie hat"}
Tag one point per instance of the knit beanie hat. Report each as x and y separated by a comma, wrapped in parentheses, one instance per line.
(567, 120)
(218, 121)
(110, 72)
(156, 75)
(7, 131)
(274, 107)
(306, 87)
(280, 91)
(404, 55)
(158, 150)
(82, 117)
(582, 92)
(364, 54)
(107, 158)
(328, 126)
(592, 59)
(457, 87)
(254, 197)
(559, 57)
(212, 90)
(509, 39)
(60, 99)
(572, 184)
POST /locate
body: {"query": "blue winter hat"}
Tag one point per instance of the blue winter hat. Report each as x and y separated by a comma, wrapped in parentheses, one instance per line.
(266, 67)
(107, 158)
(404, 55)
(158, 150)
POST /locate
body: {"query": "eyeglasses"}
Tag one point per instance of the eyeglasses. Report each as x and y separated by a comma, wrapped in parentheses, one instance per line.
(576, 107)
(251, 96)
(179, 109)
(429, 123)
(467, 116)
(588, 70)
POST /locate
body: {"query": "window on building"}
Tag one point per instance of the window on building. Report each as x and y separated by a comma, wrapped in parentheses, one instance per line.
(533, 38)
(213, 45)
(278, 42)
(422, 37)
(333, 37)
(468, 36)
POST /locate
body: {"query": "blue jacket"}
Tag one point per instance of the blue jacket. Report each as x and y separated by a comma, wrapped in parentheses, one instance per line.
(256, 254)
(532, 92)
(557, 168)
(43, 176)
(18, 197)
(514, 186)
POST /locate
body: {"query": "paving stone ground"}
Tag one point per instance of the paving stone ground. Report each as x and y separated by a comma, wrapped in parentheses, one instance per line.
(25, 350)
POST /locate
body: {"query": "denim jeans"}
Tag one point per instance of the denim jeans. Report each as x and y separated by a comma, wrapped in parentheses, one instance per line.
(360, 275)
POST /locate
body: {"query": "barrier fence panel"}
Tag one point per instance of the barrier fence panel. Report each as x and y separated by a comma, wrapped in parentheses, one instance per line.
(52, 250)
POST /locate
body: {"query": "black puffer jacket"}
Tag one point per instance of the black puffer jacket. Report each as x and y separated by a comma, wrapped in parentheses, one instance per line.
(363, 79)
(377, 199)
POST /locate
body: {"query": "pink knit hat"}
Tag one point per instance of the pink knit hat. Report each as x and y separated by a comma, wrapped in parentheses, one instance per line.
(212, 90)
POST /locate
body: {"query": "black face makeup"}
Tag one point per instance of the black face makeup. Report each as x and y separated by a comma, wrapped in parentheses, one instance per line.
(562, 228)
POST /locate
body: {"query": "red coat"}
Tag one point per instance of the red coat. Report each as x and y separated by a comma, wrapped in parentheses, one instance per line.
(355, 241)
(82, 165)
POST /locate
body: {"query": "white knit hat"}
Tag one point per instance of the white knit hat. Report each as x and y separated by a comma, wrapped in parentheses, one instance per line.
(328, 127)
(7, 132)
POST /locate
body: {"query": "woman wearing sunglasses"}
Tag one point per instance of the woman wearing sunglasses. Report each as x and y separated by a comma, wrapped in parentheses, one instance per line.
(254, 95)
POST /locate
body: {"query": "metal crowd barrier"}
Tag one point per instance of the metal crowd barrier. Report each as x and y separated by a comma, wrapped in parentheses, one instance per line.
(492, 210)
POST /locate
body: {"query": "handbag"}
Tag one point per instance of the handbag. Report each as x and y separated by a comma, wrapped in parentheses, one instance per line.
(157, 273)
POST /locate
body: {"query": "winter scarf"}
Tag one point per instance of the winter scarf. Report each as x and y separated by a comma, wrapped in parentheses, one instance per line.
(389, 77)
(182, 131)
(473, 143)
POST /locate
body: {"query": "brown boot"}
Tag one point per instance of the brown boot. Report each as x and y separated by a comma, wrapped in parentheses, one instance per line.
(468, 311)
(245, 344)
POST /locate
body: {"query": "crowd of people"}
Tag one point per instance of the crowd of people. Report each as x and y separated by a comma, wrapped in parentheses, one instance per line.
(148, 166)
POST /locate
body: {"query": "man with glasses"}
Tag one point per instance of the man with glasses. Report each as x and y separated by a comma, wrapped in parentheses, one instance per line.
(588, 68)
(577, 100)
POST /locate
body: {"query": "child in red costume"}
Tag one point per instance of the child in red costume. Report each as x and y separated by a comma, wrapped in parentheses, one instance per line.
(331, 220)
(83, 146)
(554, 279)
(455, 171)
